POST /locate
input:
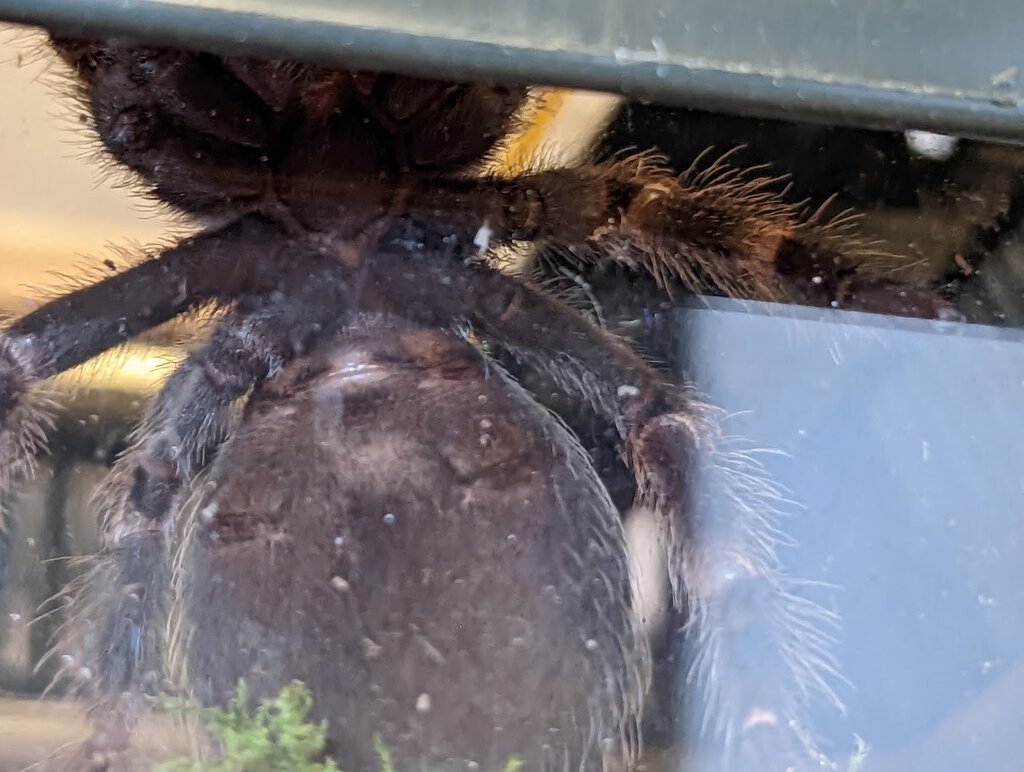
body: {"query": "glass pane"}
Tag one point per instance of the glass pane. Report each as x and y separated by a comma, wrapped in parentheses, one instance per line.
(463, 581)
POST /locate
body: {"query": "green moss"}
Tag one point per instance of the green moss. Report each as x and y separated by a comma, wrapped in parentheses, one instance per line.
(383, 754)
(275, 738)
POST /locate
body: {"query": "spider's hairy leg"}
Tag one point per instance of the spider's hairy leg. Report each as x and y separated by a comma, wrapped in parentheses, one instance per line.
(110, 644)
(720, 228)
(164, 81)
(758, 653)
(116, 609)
(63, 333)
(240, 258)
(713, 228)
(141, 99)
(193, 411)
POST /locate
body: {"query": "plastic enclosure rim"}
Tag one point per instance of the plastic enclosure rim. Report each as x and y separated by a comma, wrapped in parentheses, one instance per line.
(894, 64)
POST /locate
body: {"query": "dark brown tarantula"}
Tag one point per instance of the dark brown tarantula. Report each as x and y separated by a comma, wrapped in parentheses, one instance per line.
(340, 485)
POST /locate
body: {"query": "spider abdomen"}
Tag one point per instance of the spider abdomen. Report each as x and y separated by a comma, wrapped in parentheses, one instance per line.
(427, 549)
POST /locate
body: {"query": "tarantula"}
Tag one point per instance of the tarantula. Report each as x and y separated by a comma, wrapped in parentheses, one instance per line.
(341, 485)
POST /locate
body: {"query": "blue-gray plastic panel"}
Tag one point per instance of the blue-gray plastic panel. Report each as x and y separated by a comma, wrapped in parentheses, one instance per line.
(903, 444)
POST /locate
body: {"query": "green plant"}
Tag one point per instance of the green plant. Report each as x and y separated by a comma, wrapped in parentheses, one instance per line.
(383, 754)
(275, 738)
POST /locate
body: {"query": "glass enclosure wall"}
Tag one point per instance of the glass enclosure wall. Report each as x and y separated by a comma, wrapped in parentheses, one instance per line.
(845, 527)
